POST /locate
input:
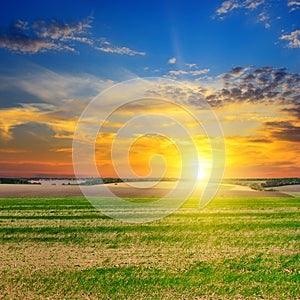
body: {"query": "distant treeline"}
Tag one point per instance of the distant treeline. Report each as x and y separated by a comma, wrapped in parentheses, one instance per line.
(255, 183)
(14, 181)
(93, 181)
(262, 183)
(280, 182)
(87, 181)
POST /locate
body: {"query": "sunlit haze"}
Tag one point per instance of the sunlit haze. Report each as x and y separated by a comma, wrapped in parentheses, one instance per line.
(242, 57)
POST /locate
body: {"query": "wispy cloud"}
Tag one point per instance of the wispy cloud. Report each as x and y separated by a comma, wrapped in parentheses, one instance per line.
(61, 30)
(61, 98)
(26, 44)
(264, 9)
(231, 5)
(264, 18)
(56, 35)
(60, 89)
(120, 50)
(293, 39)
(191, 70)
(178, 72)
(294, 5)
(188, 72)
(245, 6)
(44, 35)
(241, 97)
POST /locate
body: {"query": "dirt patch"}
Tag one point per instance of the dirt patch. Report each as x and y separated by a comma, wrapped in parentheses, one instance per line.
(24, 190)
(250, 193)
(120, 190)
(288, 188)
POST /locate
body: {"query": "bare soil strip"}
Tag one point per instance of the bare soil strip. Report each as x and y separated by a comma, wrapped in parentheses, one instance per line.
(121, 190)
(289, 188)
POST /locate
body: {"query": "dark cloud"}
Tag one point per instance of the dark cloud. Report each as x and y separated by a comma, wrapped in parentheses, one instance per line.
(260, 140)
(34, 150)
(284, 130)
(294, 111)
(279, 75)
(226, 76)
(236, 70)
(267, 85)
(36, 139)
(263, 70)
(33, 146)
(248, 77)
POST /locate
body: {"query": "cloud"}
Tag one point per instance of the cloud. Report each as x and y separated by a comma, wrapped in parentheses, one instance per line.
(69, 150)
(295, 5)
(237, 71)
(42, 85)
(31, 45)
(44, 35)
(293, 39)
(60, 89)
(230, 5)
(284, 130)
(253, 4)
(260, 140)
(295, 111)
(275, 90)
(172, 60)
(227, 6)
(266, 85)
(269, 156)
(56, 35)
(264, 18)
(21, 25)
(188, 72)
(120, 50)
(60, 30)
(247, 94)
(267, 13)
(59, 100)
(178, 72)
(246, 6)
(199, 72)
(47, 115)
(33, 149)
(191, 65)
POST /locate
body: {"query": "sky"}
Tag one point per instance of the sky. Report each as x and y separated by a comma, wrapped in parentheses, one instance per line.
(241, 56)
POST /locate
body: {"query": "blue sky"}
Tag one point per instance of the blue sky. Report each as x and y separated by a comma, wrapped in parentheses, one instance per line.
(192, 31)
(55, 56)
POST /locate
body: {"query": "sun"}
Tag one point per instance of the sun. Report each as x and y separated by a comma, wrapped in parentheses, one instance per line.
(201, 174)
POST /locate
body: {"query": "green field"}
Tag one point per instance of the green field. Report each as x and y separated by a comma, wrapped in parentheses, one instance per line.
(236, 248)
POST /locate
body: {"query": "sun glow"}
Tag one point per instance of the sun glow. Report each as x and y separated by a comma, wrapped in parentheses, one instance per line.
(201, 174)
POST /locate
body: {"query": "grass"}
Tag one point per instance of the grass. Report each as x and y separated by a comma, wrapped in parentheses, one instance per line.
(235, 248)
